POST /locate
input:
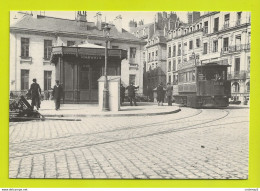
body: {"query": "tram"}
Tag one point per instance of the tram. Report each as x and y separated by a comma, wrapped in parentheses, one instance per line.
(204, 86)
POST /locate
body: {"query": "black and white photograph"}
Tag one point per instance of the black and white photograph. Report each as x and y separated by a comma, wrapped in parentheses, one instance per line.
(129, 95)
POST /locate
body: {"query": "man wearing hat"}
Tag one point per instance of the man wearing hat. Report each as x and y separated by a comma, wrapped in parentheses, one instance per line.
(35, 92)
(57, 94)
(131, 93)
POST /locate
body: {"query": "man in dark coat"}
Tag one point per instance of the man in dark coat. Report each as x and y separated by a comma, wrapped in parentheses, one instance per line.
(131, 94)
(35, 92)
(57, 94)
(122, 94)
(160, 94)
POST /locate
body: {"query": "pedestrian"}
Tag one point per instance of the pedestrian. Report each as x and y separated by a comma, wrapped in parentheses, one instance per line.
(160, 94)
(57, 94)
(35, 92)
(169, 90)
(122, 94)
(131, 93)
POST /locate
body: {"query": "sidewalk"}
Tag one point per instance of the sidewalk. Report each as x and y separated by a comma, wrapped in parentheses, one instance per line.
(92, 110)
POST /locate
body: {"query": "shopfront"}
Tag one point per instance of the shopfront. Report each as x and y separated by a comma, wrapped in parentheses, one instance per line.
(79, 68)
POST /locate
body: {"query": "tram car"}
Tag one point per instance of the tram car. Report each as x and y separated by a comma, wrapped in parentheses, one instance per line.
(204, 86)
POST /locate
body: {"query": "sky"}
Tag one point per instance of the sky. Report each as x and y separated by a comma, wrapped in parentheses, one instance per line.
(109, 16)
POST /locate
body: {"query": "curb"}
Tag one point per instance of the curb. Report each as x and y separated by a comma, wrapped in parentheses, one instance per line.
(113, 115)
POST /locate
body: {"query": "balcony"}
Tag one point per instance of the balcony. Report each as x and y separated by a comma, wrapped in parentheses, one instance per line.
(226, 25)
(133, 66)
(26, 60)
(236, 48)
(238, 22)
(238, 75)
(205, 30)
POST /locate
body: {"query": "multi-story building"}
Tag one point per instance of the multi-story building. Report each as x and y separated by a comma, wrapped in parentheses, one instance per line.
(33, 36)
(154, 53)
(154, 58)
(219, 37)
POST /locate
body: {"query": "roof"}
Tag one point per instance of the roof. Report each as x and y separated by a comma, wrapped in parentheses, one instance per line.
(88, 45)
(58, 25)
(142, 26)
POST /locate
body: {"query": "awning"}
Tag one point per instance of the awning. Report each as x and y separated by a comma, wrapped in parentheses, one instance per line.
(87, 52)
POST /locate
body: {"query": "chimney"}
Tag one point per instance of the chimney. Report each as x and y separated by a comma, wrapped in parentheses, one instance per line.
(99, 20)
(118, 23)
(132, 25)
(81, 16)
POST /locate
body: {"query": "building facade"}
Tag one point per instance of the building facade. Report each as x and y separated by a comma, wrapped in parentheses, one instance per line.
(33, 36)
(220, 37)
(154, 59)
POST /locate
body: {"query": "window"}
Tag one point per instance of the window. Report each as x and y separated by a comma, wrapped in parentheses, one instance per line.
(198, 43)
(25, 47)
(152, 56)
(169, 52)
(206, 25)
(205, 48)
(235, 87)
(24, 79)
(132, 52)
(193, 76)
(216, 24)
(225, 44)
(174, 65)
(248, 86)
(226, 22)
(156, 53)
(239, 18)
(47, 49)
(179, 61)
(238, 42)
(169, 78)
(149, 57)
(179, 49)
(174, 51)
(248, 63)
(143, 55)
(169, 66)
(47, 80)
(215, 46)
(132, 79)
(191, 45)
(70, 43)
(115, 47)
(237, 65)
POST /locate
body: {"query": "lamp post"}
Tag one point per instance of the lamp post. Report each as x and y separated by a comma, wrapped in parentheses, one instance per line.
(105, 91)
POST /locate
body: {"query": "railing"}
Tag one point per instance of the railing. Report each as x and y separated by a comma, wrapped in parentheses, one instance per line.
(226, 24)
(45, 95)
(236, 48)
(238, 75)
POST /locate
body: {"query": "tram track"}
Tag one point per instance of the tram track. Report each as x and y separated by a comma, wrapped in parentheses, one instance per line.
(122, 128)
(107, 139)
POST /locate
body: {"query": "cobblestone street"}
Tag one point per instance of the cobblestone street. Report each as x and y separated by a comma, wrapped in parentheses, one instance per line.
(191, 144)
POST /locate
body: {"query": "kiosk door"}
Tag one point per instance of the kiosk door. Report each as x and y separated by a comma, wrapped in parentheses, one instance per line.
(85, 83)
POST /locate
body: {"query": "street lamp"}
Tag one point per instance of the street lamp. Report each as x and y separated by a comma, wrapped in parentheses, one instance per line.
(105, 91)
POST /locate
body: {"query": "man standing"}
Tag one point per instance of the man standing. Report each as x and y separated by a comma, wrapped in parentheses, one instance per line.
(57, 94)
(169, 89)
(35, 92)
(131, 94)
(122, 94)
(160, 94)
